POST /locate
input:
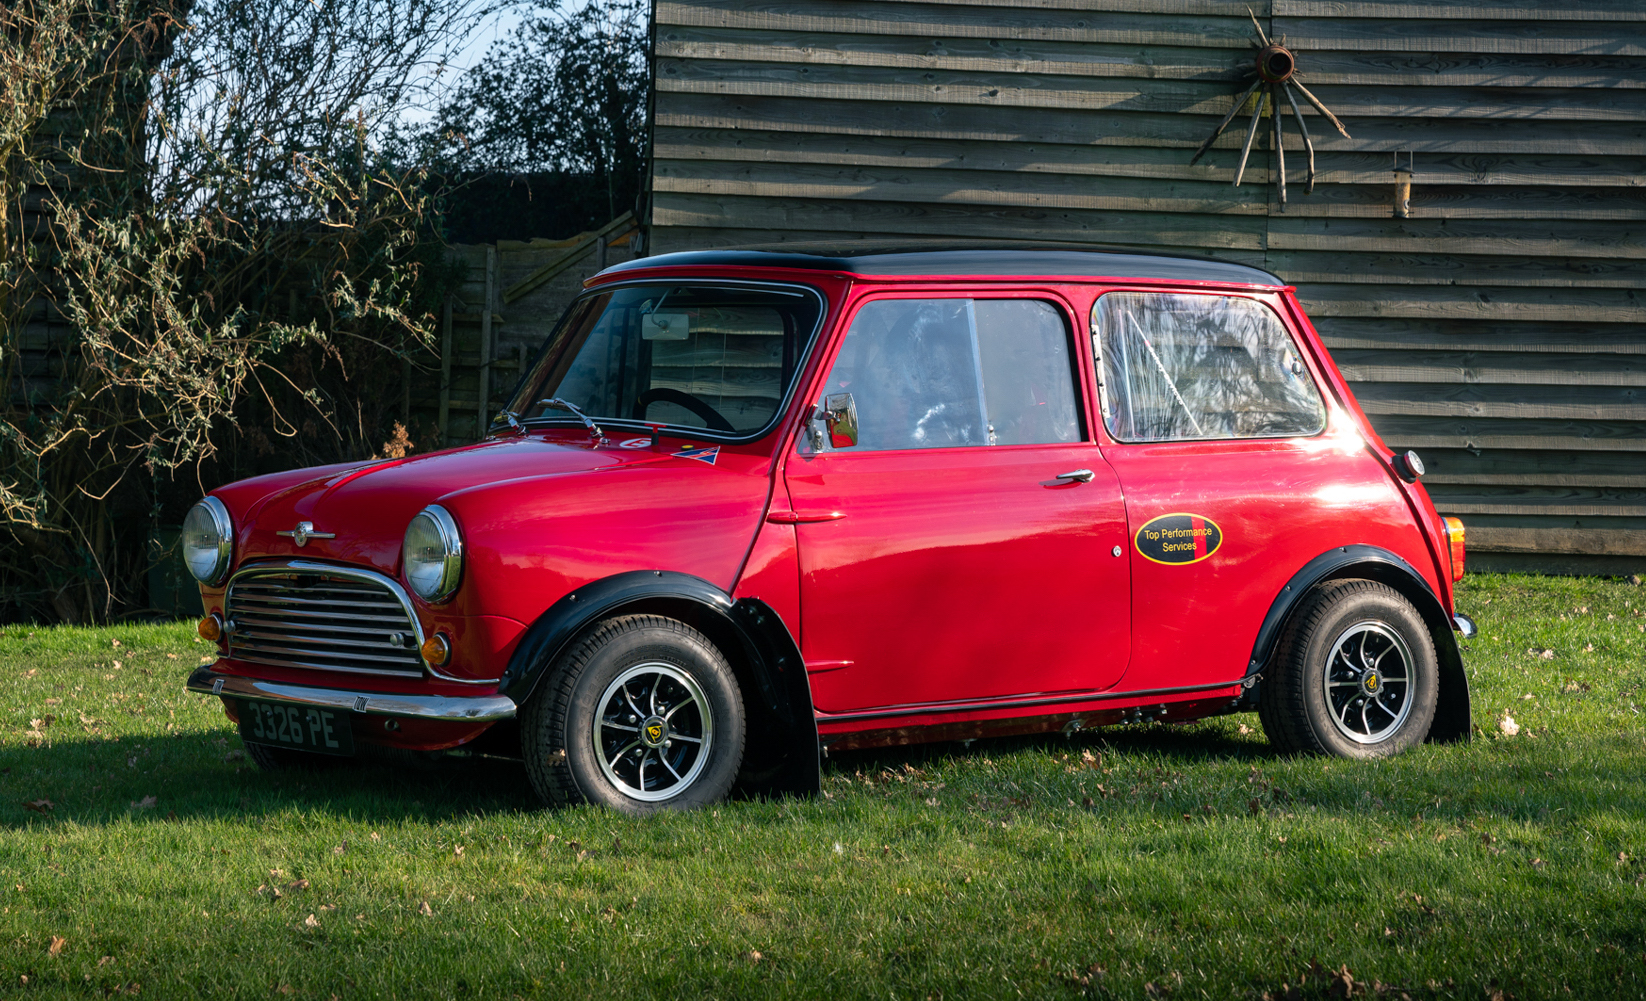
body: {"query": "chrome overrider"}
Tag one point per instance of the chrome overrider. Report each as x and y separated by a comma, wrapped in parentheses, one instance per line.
(439, 708)
(1465, 625)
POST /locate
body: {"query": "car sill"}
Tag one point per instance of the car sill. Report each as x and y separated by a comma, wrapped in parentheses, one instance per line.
(938, 708)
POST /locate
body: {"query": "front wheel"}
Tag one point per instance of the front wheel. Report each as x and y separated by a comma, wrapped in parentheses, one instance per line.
(644, 714)
(1355, 675)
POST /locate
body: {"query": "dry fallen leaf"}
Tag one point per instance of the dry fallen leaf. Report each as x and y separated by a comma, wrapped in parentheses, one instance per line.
(118, 665)
(1508, 725)
(376, 837)
(425, 910)
(114, 643)
(31, 672)
(753, 956)
(106, 960)
(340, 849)
(146, 803)
(310, 922)
(56, 947)
(39, 806)
(298, 884)
(458, 851)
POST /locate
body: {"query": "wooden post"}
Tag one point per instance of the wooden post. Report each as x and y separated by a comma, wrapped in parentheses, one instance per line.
(445, 370)
(488, 304)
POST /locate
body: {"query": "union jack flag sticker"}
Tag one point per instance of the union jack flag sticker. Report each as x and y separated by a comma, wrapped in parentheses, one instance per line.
(700, 454)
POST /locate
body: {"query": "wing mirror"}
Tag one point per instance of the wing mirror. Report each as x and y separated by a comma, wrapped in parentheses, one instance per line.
(840, 414)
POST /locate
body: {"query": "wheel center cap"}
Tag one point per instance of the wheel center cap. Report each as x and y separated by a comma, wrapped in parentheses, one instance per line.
(654, 732)
(1371, 683)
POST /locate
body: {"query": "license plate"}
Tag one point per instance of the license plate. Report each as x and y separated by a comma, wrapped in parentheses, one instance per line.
(302, 728)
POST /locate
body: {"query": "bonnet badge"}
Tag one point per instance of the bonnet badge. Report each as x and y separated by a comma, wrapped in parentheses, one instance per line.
(304, 532)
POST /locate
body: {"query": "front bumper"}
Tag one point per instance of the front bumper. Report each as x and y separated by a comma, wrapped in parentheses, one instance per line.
(434, 708)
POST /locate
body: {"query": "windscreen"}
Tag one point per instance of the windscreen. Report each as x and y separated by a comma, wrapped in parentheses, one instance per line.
(711, 357)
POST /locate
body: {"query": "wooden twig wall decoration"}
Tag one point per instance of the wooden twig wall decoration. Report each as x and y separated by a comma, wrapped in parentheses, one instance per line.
(1276, 72)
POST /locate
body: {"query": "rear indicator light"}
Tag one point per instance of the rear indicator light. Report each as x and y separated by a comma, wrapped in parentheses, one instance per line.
(1454, 542)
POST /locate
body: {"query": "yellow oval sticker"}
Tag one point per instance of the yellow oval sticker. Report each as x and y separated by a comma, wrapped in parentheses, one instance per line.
(1178, 538)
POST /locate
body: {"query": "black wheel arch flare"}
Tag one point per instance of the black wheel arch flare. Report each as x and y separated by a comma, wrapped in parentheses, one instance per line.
(782, 747)
(1451, 722)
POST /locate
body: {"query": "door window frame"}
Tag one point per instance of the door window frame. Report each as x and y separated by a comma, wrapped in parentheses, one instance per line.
(1057, 297)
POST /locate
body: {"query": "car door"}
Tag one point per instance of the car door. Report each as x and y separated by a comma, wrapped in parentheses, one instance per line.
(1237, 471)
(944, 557)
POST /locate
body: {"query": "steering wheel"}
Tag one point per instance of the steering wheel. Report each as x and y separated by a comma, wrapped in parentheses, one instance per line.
(663, 394)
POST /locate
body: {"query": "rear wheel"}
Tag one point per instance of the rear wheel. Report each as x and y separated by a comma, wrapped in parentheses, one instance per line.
(644, 714)
(1355, 675)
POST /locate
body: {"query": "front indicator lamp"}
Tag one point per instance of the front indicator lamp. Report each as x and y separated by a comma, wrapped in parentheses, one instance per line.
(210, 628)
(436, 651)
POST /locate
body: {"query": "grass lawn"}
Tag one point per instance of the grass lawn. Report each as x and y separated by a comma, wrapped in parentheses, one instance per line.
(1141, 862)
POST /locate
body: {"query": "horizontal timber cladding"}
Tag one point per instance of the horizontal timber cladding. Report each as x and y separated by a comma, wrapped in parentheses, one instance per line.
(1499, 325)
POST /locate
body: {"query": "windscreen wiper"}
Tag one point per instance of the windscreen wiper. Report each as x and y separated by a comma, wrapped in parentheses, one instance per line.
(559, 404)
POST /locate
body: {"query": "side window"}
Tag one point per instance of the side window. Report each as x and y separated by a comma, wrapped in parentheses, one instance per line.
(941, 373)
(1183, 367)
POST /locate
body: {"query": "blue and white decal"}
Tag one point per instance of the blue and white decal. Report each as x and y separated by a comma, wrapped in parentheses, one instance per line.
(700, 454)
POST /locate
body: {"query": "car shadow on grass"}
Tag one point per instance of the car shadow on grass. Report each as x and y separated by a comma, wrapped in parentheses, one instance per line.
(207, 776)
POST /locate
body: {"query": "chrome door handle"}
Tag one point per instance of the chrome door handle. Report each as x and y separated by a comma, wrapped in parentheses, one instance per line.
(1077, 475)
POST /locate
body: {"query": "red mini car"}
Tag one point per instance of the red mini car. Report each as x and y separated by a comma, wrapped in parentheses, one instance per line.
(747, 504)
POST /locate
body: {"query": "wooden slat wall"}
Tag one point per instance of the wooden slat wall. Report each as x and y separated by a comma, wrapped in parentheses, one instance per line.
(517, 328)
(1500, 329)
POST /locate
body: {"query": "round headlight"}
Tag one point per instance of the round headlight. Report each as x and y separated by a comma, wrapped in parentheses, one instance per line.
(434, 554)
(208, 541)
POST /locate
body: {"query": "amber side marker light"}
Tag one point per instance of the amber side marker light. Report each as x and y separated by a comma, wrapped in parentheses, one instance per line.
(210, 628)
(1454, 541)
(436, 651)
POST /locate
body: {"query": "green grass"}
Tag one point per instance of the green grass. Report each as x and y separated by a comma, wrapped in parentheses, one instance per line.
(1181, 861)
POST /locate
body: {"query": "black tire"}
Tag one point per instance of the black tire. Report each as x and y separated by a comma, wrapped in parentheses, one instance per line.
(583, 745)
(1332, 687)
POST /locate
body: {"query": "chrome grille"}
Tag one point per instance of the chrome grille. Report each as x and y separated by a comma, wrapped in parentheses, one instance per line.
(327, 619)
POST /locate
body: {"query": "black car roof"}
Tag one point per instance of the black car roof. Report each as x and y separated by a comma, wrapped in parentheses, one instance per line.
(911, 259)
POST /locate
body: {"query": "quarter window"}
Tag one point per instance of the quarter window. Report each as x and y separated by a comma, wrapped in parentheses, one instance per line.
(942, 373)
(1183, 367)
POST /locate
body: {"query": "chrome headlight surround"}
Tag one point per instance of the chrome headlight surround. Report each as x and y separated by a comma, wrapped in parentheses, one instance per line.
(208, 541)
(433, 554)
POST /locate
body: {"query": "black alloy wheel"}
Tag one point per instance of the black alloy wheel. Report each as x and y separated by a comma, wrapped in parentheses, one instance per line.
(643, 714)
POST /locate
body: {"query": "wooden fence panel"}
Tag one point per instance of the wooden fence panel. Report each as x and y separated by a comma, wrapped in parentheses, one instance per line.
(1500, 327)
